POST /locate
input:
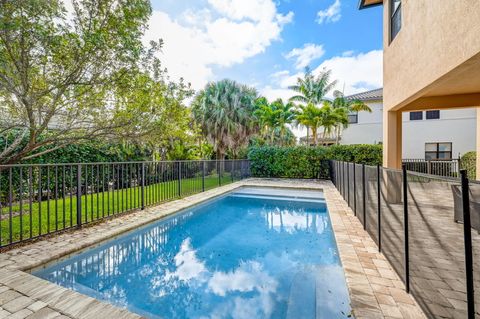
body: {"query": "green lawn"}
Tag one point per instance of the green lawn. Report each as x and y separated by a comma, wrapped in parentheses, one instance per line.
(48, 216)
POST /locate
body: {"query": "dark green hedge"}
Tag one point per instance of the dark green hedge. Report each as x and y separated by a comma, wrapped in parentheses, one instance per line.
(94, 152)
(468, 162)
(307, 162)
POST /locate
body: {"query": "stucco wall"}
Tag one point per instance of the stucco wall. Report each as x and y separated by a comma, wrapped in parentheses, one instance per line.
(436, 37)
(455, 126)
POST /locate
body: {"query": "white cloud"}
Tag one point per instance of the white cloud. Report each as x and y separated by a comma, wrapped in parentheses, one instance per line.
(357, 73)
(225, 33)
(276, 93)
(331, 14)
(304, 56)
(354, 73)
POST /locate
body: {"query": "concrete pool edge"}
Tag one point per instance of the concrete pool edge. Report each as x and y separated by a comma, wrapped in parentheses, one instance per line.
(372, 284)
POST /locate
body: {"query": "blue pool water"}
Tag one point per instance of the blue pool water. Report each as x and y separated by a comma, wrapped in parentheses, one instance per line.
(254, 253)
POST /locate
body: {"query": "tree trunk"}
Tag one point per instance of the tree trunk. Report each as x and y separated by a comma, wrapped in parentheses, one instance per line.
(314, 133)
(220, 154)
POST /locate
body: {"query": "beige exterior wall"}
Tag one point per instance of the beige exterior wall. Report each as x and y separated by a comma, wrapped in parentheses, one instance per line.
(436, 38)
(433, 61)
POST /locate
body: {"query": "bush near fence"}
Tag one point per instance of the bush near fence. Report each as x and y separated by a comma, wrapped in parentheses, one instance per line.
(308, 162)
(468, 162)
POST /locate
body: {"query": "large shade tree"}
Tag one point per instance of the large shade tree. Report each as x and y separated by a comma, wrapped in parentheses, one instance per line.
(71, 76)
(224, 111)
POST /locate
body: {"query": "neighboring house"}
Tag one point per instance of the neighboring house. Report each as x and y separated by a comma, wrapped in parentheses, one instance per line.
(431, 61)
(429, 135)
(325, 141)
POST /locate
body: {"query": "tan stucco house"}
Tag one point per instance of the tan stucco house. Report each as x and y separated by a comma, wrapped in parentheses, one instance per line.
(431, 61)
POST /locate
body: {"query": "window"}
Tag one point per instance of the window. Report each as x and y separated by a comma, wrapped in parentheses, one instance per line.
(353, 118)
(416, 116)
(438, 151)
(395, 18)
(433, 115)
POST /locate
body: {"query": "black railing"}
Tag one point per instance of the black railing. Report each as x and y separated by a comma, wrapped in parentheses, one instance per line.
(416, 220)
(38, 200)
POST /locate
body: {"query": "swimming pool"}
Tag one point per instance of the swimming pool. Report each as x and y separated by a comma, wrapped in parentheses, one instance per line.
(252, 253)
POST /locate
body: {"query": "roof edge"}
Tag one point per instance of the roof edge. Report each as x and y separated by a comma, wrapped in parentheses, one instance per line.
(362, 5)
(371, 95)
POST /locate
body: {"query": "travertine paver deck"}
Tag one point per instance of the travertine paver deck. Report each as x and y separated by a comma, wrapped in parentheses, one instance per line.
(375, 289)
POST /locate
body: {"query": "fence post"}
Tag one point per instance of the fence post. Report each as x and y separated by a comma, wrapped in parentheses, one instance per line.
(333, 174)
(179, 179)
(203, 176)
(348, 184)
(232, 169)
(79, 195)
(340, 173)
(364, 193)
(142, 189)
(219, 173)
(467, 234)
(405, 228)
(379, 210)
(459, 166)
(354, 190)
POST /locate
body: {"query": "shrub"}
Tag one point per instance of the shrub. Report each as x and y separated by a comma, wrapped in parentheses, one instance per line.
(307, 162)
(468, 162)
(367, 154)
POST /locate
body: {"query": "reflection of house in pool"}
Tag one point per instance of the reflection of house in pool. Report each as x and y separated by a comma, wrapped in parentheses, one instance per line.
(291, 221)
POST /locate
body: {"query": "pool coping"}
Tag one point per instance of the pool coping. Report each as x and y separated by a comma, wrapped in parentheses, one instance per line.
(375, 290)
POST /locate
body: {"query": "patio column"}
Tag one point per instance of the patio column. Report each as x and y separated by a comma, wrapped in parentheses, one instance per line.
(392, 139)
(478, 144)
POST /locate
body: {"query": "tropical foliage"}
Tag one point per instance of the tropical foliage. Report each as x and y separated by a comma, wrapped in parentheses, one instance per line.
(70, 78)
(224, 111)
(274, 118)
(311, 90)
(311, 117)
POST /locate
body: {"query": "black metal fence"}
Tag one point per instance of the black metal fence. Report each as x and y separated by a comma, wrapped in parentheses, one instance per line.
(427, 227)
(37, 200)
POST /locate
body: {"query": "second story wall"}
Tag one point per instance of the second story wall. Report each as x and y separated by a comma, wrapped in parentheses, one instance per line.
(456, 126)
(428, 55)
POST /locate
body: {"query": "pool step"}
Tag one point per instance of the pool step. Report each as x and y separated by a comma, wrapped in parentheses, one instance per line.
(302, 299)
(275, 197)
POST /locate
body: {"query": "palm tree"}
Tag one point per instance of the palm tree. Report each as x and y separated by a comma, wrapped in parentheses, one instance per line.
(274, 118)
(332, 118)
(311, 90)
(224, 112)
(266, 117)
(348, 106)
(310, 116)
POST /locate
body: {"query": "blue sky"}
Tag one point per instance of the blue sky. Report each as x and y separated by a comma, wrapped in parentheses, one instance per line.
(267, 43)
